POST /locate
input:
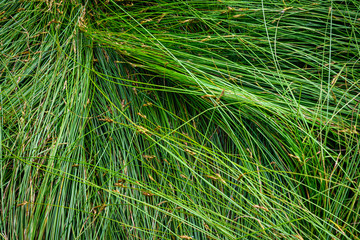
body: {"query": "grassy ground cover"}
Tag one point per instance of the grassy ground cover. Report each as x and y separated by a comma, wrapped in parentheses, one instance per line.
(175, 119)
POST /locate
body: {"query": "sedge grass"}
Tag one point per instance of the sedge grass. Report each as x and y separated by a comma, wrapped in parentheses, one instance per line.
(179, 119)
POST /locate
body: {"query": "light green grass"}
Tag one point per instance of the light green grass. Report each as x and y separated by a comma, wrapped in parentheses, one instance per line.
(179, 119)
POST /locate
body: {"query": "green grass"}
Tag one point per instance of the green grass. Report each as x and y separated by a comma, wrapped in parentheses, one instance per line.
(179, 119)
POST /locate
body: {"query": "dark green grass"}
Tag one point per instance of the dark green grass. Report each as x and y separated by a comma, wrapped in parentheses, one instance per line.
(179, 119)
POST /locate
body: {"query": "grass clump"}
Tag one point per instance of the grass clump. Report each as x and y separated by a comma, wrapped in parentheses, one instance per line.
(179, 119)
